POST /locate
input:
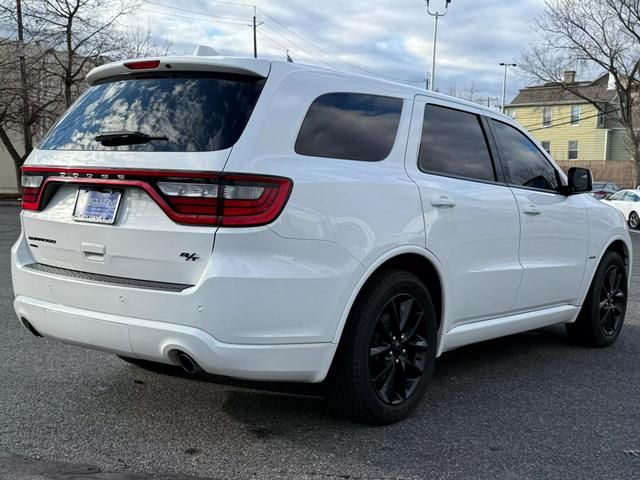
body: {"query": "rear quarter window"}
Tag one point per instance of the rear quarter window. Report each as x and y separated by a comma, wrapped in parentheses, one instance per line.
(194, 111)
(350, 126)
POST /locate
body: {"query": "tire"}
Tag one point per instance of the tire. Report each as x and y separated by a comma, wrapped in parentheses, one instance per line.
(602, 315)
(375, 379)
(634, 221)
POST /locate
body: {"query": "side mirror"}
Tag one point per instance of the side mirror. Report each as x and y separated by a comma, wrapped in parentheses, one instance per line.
(580, 180)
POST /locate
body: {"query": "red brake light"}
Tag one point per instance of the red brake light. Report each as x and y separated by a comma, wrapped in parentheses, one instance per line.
(253, 200)
(236, 200)
(30, 198)
(192, 198)
(142, 64)
(31, 185)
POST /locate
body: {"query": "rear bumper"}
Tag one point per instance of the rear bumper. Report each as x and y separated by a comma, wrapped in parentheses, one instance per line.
(265, 308)
(159, 341)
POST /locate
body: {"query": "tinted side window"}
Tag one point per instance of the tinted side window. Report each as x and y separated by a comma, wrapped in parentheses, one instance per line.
(350, 126)
(525, 164)
(453, 143)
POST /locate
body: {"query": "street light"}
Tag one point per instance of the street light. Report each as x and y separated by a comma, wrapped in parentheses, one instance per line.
(437, 14)
(504, 83)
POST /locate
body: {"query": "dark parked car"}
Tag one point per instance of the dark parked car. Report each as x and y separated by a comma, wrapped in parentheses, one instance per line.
(603, 190)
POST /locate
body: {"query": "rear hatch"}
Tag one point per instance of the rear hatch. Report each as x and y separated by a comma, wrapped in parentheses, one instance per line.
(126, 184)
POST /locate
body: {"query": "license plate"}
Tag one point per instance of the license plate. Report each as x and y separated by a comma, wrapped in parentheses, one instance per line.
(97, 205)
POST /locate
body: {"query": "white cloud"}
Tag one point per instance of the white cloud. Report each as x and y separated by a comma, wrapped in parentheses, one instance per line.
(390, 37)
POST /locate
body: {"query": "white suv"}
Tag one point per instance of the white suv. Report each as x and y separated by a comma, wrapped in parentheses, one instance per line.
(272, 221)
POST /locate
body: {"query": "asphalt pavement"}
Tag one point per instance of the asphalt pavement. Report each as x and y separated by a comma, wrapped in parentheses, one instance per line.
(528, 406)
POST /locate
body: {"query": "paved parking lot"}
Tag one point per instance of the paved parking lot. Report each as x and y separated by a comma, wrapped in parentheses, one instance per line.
(527, 406)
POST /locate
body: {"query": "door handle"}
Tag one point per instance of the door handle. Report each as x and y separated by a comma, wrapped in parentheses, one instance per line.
(532, 210)
(442, 201)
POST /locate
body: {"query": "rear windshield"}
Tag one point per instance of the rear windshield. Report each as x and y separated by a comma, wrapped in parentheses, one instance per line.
(195, 112)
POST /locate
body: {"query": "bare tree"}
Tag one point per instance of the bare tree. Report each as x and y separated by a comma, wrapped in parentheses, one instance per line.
(591, 35)
(470, 93)
(48, 48)
(138, 42)
(81, 35)
(18, 66)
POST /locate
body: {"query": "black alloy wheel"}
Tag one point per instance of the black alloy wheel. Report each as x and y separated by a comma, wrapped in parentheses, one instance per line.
(387, 351)
(397, 349)
(613, 301)
(602, 314)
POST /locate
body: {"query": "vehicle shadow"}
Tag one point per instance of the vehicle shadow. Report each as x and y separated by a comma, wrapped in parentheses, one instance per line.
(487, 400)
(262, 404)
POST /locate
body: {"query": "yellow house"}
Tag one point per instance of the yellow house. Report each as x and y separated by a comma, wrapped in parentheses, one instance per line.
(570, 127)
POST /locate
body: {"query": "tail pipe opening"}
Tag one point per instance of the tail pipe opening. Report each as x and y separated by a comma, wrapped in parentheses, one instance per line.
(30, 327)
(188, 364)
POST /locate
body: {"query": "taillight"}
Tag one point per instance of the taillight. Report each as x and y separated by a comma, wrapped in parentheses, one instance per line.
(252, 200)
(31, 185)
(193, 198)
(236, 200)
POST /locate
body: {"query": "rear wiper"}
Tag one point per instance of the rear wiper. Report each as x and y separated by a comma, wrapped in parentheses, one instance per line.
(125, 137)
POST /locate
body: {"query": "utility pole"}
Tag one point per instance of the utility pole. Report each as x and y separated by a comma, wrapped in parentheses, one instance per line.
(437, 14)
(504, 83)
(24, 92)
(489, 101)
(255, 32)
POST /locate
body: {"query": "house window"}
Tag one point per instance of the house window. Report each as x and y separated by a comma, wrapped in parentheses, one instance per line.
(575, 114)
(547, 146)
(546, 117)
(511, 112)
(573, 150)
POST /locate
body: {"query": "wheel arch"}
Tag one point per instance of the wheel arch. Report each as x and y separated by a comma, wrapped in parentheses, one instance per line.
(624, 250)
(416, 260)
(619, 245)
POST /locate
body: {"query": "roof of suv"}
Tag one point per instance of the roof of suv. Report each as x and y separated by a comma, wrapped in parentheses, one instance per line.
(259, 68)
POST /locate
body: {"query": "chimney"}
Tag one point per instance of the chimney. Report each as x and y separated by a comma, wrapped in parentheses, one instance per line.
(569, 76)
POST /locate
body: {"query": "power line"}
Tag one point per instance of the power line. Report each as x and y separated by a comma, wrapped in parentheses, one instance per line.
(196, 13)
(283, 26)
(569, 122)
(544, 106)
(301, 48)
(293, 50)
(191, 17)
(237, 4)
(332, 55)
(262, 34)
(564, 117)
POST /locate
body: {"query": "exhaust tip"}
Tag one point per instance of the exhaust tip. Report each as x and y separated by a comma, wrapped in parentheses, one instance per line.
(188, 364)
(30, 327)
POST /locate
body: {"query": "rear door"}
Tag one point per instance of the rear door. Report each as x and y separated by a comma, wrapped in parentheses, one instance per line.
(554, 226)
(141, 200)
(470, 214)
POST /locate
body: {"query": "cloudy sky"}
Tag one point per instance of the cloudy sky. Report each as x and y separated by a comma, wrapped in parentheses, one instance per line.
(392, 38)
